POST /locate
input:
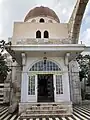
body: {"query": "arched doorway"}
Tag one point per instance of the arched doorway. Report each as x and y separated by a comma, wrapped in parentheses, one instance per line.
(44, 71)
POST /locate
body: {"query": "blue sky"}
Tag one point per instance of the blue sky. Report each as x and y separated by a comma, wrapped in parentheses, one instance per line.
(15, 10)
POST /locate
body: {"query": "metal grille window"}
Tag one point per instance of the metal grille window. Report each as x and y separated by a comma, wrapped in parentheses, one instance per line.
(45, 65)
(59, 84)
(31, 85)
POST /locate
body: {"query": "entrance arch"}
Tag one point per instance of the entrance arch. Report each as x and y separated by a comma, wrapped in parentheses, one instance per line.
(43, 84)
(45, 65)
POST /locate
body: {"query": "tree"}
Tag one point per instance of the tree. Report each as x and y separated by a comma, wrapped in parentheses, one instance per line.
(4, 69)
(84, 64)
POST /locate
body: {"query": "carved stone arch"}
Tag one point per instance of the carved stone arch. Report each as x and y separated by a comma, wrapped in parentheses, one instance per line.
(76, 20)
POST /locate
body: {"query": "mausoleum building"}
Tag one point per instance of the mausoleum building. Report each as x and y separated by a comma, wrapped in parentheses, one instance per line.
(46, 71)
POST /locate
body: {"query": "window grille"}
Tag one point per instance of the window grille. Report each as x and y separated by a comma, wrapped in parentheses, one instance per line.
(59, 84)
(45, 65)
(31, 85)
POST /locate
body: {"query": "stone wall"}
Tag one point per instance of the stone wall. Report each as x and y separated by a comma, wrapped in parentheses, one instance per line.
(15, 87)
(75, 86)
(16, 83)
(6, 93)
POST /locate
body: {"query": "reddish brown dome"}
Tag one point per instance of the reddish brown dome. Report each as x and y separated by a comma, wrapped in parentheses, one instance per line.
(41, 11)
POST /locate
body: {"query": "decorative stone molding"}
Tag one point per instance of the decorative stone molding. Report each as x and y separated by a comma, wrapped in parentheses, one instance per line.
(43, 41)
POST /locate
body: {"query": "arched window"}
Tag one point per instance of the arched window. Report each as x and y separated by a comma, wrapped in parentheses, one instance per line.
(46, 34)
(45, 65)
(41, 20)
(38, 34)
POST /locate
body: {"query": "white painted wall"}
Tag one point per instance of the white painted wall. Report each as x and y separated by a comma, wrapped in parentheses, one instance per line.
(60, 61)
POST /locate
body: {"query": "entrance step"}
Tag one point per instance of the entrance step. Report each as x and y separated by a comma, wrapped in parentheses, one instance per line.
(46, 110)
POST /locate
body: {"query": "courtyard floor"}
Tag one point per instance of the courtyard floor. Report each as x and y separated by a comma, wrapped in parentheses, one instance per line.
(79, 113)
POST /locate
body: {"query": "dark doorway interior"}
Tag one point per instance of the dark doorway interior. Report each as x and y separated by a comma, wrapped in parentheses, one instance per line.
(46, 34)
(38, 34)
(42, 20)
(45, 88)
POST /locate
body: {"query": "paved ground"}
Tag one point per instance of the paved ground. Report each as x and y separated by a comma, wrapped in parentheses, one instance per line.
(80, 113)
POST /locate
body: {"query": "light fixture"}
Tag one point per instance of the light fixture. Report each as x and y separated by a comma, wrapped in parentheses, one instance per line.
(44, 58)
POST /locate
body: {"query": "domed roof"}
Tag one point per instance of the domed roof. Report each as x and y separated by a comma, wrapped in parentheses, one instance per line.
(41, 11)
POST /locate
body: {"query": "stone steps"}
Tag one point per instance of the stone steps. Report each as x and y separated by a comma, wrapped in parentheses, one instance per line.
(79, 113)
(43, 107)
(37, 110)
(46, 111)
(42, 115)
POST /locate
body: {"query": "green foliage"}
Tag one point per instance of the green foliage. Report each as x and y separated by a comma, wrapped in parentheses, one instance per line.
(84, 64)
(4, 69)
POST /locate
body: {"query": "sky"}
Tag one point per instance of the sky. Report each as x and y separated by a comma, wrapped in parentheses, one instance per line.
(15, 10)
